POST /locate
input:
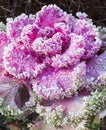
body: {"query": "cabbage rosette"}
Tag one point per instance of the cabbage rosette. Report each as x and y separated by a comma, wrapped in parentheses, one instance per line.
(57, 57)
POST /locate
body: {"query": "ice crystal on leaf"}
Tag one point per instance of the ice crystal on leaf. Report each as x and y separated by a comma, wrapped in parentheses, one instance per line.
(14, 27)
(57, 84)
(3, 42)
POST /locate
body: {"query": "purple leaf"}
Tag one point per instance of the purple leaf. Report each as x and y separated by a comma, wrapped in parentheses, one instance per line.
(21, 96)
(97, 66)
